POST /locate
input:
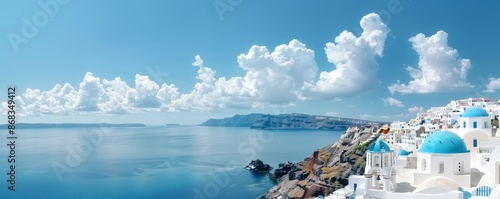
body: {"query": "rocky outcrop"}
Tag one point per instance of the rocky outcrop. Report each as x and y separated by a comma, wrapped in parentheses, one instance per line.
(283, 169)
(328, 168)
(257, 166)
(287, 121)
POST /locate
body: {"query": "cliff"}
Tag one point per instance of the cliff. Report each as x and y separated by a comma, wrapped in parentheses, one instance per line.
(235, 121)
(286, 121)
(328, 168)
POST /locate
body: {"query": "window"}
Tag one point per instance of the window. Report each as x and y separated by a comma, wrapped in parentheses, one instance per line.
(386, 160)
(474, 125)
(460, 169)
(441, 167)
(485, 125)
(424, 166)
(474, 142)
(499, 174)
(377, 161)
(369, 159)
(465, 126)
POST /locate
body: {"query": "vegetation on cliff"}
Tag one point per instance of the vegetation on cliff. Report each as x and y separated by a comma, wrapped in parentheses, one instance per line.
(328, 168)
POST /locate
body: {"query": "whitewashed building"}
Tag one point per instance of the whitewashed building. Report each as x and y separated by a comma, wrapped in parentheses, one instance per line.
(456, 157)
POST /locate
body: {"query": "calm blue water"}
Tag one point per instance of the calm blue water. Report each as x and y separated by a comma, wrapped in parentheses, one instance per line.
(151, 162)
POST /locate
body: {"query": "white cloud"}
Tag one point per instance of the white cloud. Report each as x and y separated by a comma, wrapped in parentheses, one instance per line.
(271, 78)
(375, 117)
(413, 111)
(354, 58)
(331, 113)
(416, 109)
(439, 68)
(204, 96)
(167, 94)
(280, 77)
(117, 96)
(96, 95)
(57, 100)
(275, 77)
(337, 99)
(90, 93)
(493, 85)
(392, 102)
(144, 93)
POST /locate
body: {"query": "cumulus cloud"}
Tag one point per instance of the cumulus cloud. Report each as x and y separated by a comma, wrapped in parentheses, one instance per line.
(90, 93)
(272, 77)
(204, 96)
(392, 102)
(96, 95)
(439, 68)
(276, 77)
(354, 58)
(493, 85)
(413, 111)
(416, 109)
(57, 100)
(117, 96)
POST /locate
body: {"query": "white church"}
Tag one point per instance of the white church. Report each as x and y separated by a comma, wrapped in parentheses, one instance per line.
(456, 163)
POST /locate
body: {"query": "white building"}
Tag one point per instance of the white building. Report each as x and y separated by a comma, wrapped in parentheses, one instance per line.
(443, 154)
(379, 161)
(475, 118)
(446, 152)
(443, 170)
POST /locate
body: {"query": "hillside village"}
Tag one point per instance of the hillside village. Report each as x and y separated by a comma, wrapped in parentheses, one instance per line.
(447, 152)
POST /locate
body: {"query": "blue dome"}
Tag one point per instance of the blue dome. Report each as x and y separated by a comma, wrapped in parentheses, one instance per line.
(443, 142)
(403, 153)
(379, 146)
(475, 112)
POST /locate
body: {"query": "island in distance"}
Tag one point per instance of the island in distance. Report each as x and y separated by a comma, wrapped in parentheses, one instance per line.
(287, 121)
(70, 125)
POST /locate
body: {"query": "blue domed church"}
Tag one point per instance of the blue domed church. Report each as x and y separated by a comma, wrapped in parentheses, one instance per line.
(378, 169)
(444, 155)
(475, 118)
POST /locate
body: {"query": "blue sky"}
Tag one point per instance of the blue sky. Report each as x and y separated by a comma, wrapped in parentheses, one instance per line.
(187, 61)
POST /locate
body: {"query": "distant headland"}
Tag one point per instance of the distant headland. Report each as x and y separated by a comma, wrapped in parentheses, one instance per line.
(287, 121)
(70, 125)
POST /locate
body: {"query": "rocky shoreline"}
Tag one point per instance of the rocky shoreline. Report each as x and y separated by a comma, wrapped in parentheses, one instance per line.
(328, 168)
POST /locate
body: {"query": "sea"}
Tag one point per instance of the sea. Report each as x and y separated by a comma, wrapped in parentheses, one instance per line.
(178, 162)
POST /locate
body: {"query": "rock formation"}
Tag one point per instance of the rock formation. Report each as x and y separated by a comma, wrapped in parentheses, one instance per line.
(257, 166)
(328, 168)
